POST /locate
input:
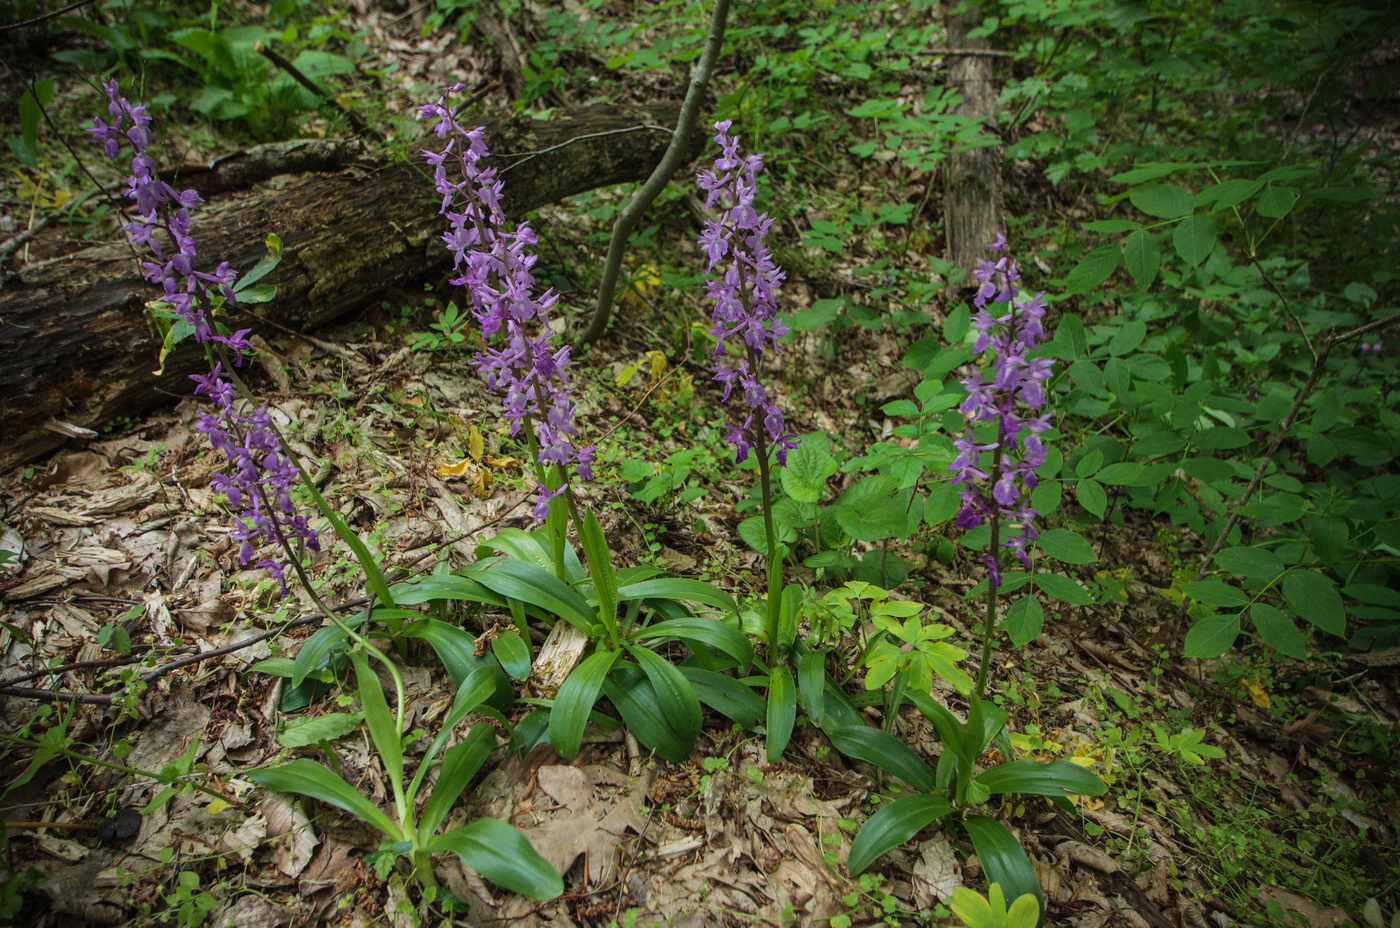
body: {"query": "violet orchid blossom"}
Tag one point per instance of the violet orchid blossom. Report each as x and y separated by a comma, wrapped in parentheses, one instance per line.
(745, 304)
(995, 478)
(494, 266)
(261, 475)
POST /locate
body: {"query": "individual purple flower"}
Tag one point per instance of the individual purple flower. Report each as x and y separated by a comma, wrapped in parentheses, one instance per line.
(494, 264)
(259, 480)
(995, 478)
(745, 316)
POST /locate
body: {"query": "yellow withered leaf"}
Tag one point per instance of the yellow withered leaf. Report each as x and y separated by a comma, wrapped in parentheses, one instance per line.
(476, 445)
(454, 470)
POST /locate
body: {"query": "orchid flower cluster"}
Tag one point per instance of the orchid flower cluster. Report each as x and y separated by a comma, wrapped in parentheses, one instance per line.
(746, 309)
(261, 474)
(995, 478)
(494, 265)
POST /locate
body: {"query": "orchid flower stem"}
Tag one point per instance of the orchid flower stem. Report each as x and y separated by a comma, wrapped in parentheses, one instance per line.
(989, 622)
(775, 564)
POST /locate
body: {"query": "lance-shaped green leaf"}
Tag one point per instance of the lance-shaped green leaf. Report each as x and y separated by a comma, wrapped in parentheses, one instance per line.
(1058, 778)
(379, 719)
(459, 764)
(457, 651)
(308, 778)
(811, 684)
(526, 582)
(519, 544)
(513, 653)
(675, 697)
(691, 591)
(444, 586)
(893, 824)
(725, 695)
(1003, 859)
(714, 634)
(639, 705)
(575, 700)
(314, 651)
(600, 569)
(374, 577)
(884, 750)
(502, 855)
(782, 711)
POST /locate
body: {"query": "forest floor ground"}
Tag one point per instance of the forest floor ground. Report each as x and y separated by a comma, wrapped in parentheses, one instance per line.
(124, 544)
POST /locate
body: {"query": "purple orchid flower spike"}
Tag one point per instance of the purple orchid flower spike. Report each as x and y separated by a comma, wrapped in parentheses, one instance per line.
(745, 314)
(995, 478)
(260, 475)
(494, 265)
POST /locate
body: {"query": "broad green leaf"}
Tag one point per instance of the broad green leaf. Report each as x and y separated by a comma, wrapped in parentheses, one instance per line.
(957, 325)
(379, 718)
(676, 698)
(1278, 631)
(942, 503)
(1003, 859)
(1143, 256)
(691, 591)
(444, 587)
(1253, 562)
(1124, 473)
(871, 510)
(811, 684)
(1214, 592)
(1230, 193)
(459, 764)
(1314, 597)
(1062, 588)
(1193, 238)
(513, 653)
(315, 650)
(710, 632)
(456, 648)
(805, 474)
(1128, 337)
(1092, 270)
(530, 584)
(1212, 636)
(782, 711)
(1163, 201)
(1276, 202)
(893, 824)
(1024, 620)
(726, 695)
(882, 749)
(1067, 546)
(574, 702)
(502, 855)
(519, 544)
(640, 707)
(1092, 497)
(299, 733)
(1057, 778)
(308, 778)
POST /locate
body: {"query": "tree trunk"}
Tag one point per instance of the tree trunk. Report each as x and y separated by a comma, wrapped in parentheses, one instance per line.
(972, 183)
(76, 350)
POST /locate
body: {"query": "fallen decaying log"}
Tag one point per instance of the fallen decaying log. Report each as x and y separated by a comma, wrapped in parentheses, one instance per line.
(76, 351)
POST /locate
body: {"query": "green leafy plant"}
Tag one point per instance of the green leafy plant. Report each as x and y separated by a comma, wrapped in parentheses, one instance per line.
(493, 848)
(990, 911)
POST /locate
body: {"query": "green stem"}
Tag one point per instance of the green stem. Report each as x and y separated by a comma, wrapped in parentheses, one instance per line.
(775, 564)
(989, 622)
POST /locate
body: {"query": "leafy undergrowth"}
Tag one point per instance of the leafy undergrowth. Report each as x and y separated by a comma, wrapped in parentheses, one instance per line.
(1252, 782)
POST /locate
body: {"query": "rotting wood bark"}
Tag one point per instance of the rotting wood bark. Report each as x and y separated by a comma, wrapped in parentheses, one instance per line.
(75, 347)
(972, 182)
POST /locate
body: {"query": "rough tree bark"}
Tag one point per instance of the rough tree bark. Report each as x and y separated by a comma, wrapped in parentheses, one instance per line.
(972, 182)
(74, 344)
